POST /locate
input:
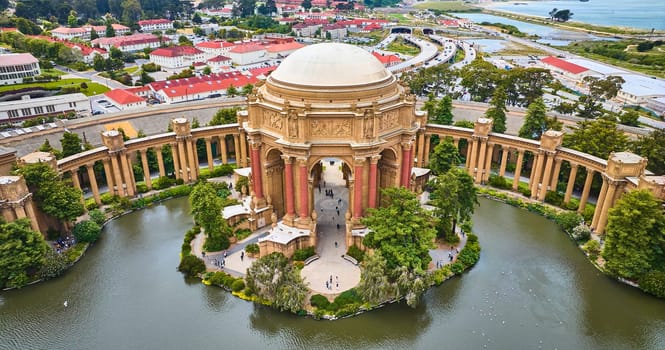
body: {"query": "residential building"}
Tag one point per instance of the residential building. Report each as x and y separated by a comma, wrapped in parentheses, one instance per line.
(283, 50)
(657, 105)
(387, 60)
(333, 31)
(88, 53)
(14, 67)
(27, 108)
(248, 53)
(215, 48)
(219, 63)
(130, 43)
(124, 99)
(151, 25)
(83, 33)
(306, 30)
(176, 57)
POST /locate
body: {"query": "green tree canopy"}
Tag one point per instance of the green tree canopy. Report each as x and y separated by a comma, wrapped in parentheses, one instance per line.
(536, 121)
(480, 77)
(454, 199)
(54, 196)
(401, 229)
(635, 235)
(597, 137)
(652, 147)
(272, 278)
(497, 110)
(22, 252)
(445, 156)
(375, 286)
(71, 144)
(224, 116)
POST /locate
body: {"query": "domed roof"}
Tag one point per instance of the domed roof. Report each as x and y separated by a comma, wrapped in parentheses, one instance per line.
(330, 64)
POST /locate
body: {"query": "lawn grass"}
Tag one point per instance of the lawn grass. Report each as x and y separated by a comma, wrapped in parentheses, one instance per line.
(447, 6)
(398, 17)
(53, 72)
(400, 46)
(515, 49)
(131, 70)
(93, 88)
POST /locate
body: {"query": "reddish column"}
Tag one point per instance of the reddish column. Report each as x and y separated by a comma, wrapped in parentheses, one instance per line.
(304, 200)
(288, 173)
(406, 168)
(358, 191)
(257, 178)
(372, 181)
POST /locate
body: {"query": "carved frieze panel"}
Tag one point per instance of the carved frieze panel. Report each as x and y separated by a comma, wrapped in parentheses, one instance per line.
(389, 120)
(272, 120)
(330, 128)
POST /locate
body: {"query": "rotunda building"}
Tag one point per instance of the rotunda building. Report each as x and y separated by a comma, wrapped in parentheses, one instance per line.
(328, 100)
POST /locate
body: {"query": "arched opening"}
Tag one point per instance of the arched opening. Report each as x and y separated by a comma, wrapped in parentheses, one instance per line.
(331, 201)
(428, 31)
(400, 30)
(389, 170)
(275, 182)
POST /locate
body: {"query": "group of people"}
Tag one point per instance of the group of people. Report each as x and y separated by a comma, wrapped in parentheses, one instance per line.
(62, 244)
(329, 283)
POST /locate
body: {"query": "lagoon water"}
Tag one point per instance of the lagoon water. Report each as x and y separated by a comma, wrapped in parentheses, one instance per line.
(645, 14)
(531, 289)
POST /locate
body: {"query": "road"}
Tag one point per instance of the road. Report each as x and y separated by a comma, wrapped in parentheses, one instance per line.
(93, 76)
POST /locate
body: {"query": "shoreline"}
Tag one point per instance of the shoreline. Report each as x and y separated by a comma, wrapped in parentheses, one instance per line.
(593, 28)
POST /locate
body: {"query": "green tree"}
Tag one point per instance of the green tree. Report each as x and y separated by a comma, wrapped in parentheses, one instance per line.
(444, 157)
(272, 278)
(635, 235)
(597, 137)
(630, 118)
(430, 106)
(207, 211)
(224, 116)
(207, 70)
(87, 231)
(231, 91)
(146, 78)
(401, 230)
(46, 147)
(93, 34)
(525, 85)
(454, 199)
(497, 110)
(71, 144)
(444, 111)
(197, 18)
(306, 4)
(22, 251)
(110, 31)
(535, 121)
(374, 286)
(54, 196)
(131, 11)
(599, 89)
(72, 21)
(652, 147)
(480, 77)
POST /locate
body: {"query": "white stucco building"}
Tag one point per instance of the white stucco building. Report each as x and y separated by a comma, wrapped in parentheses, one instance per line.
(16, 66)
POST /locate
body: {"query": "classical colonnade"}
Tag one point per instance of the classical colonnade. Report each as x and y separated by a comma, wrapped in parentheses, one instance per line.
(484, 149)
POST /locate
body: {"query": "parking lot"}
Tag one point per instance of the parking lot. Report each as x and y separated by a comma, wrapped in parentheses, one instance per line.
(101, 105)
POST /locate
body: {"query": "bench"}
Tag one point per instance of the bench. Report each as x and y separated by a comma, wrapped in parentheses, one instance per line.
(350, 259)
(311, 258)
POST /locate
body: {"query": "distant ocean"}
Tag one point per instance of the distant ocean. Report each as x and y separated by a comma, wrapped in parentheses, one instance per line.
(645, 14)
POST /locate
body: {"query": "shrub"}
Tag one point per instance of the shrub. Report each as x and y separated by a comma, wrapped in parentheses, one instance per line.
(470, 253)
(223, 279)
(54, 265)
(592, 247)
(238, 285)
(90, 204)
(75, 252)
(581, 233)
(142, 188)
(457, 268)
(179, 182)
(654, 283)
(242, 233)
(588, 212)
(107, 198)
(356, 253)
(319, 301)
(568, 220)
(86, 231)
(524, 190)
(499, 182)
(554, 198)
(252, 248)
(97, 216)
(303, 254)
(216, 241)
(191, 265)
(348, 297)
(441, 275)
(163, 182)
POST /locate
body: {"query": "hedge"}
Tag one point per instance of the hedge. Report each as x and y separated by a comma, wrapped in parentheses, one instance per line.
(356, 253)
(654, 283)
(303, 254)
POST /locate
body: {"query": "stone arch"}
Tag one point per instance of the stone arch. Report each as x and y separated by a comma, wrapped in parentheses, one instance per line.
(389, 170)
(401, 30)
(274, 180)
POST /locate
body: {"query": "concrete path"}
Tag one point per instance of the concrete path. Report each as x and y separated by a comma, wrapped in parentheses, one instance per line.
(331, 246)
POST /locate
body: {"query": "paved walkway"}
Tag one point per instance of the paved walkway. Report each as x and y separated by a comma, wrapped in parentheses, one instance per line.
(331, 243)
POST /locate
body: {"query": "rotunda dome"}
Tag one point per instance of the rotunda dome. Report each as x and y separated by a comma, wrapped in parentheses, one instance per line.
(330, 65)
